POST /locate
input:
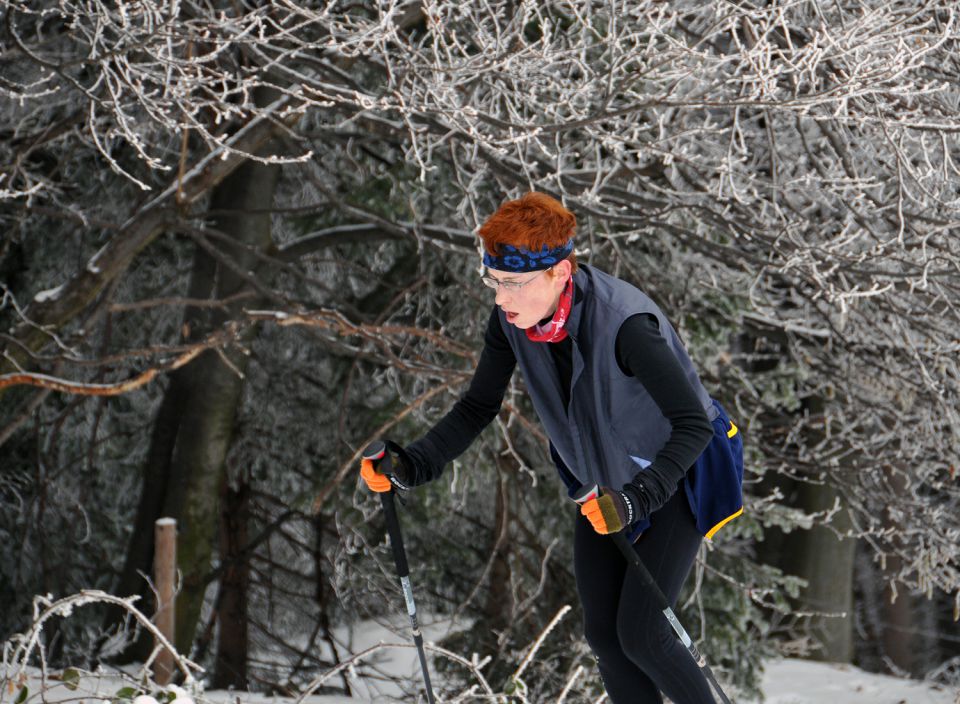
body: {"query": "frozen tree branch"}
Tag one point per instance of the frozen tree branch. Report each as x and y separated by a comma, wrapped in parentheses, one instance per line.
(798, 160)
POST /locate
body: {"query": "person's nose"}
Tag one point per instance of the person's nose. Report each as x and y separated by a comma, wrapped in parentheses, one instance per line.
(502, 297)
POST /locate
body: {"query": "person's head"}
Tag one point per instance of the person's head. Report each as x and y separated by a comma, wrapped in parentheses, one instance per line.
(528, 244)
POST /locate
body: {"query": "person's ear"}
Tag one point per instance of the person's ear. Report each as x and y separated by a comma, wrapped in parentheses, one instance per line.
(562, 269)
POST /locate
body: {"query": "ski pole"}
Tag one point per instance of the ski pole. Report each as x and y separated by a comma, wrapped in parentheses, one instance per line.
(377, 450)
(646, 578)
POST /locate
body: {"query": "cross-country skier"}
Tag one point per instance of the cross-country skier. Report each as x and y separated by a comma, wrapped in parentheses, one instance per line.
(625, 410)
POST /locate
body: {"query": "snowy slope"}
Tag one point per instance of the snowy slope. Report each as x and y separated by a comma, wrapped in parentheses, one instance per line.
(804, 682)
(785, 682)
(386, 654)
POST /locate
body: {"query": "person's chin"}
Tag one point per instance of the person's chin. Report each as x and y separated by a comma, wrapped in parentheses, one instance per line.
(515, 320)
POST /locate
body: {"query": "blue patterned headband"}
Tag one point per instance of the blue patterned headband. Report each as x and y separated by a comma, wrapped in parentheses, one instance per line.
(519, 260)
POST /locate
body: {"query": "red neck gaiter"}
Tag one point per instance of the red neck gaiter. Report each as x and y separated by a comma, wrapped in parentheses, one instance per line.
(554, 330)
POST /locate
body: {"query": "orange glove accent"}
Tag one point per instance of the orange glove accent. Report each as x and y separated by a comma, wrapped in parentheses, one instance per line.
(603, 514)
(374, 480)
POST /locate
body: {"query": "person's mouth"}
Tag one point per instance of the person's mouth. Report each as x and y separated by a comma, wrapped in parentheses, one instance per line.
(511, 317)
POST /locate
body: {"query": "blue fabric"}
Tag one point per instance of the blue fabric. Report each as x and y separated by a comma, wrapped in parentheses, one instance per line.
(519, 260)
(714, 483)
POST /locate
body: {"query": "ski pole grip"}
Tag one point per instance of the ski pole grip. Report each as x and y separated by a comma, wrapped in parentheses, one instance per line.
(586, 493)
(377, 453)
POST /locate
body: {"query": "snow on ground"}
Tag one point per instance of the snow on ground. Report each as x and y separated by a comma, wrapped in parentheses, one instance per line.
(793, 681)
(787, 681)
(391, 662)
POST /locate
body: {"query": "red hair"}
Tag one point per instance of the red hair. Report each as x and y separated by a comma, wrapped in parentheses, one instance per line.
(530, 222)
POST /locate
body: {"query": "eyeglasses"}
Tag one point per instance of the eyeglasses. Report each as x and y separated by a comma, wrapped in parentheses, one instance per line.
(512, 286)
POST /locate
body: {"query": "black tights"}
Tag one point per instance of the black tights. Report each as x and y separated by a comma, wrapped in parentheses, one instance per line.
(638, 653)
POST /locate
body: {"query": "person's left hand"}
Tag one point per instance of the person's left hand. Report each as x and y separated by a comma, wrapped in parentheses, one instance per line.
(610, 512)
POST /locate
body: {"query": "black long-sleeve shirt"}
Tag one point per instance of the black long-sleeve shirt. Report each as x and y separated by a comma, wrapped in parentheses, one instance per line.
(642, 352)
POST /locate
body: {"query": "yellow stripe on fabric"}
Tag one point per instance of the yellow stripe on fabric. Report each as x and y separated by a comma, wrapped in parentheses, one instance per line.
(721, 524)
(732, 431)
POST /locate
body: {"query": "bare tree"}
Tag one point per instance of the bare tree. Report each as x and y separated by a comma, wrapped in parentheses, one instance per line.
(786, 167)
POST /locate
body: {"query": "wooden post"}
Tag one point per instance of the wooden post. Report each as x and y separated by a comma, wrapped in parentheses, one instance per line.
(165, 577)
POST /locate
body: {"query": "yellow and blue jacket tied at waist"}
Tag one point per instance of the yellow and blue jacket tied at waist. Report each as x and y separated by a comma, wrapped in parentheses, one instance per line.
(714, 483)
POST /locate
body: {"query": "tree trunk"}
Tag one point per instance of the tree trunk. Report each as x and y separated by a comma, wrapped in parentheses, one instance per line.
(323, 603)
(206, 425)
(498, 609)
(155, 475)
(897, 617)
(825, 561)
(186, 462)
(816, 555)
(231, 661)
(897, 624)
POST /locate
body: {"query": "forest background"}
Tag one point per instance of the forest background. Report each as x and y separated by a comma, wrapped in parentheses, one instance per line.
(238, 244)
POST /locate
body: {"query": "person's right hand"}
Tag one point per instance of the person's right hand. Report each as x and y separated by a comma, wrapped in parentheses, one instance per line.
(385, 466)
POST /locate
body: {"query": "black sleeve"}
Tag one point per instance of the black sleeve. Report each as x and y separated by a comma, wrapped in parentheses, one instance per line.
(474, 411)
(642, 352)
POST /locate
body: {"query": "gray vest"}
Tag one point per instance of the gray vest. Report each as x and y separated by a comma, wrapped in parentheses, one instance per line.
(612, 427)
